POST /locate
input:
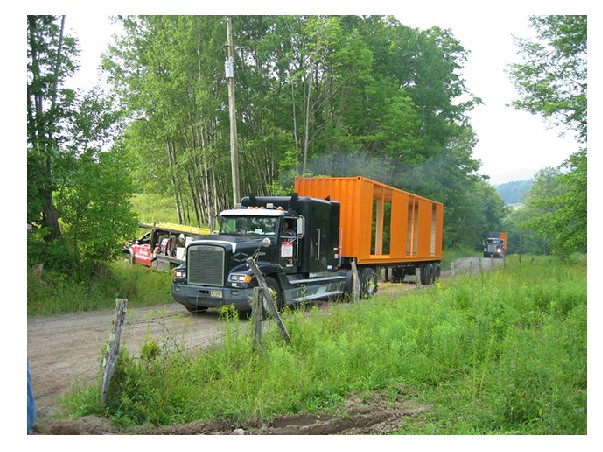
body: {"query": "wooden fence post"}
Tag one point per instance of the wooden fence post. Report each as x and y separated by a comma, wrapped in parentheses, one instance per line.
(355, 282)
(269, 300)
(418, 277)
(112, 352)
(257, 317)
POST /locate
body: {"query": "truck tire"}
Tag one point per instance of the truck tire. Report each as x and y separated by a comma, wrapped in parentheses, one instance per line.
(195, 309)
(276, 293)
(368, 282)
(426, 274)
(349, 283)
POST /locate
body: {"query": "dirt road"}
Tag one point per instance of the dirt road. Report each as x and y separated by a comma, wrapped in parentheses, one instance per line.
(65, 349)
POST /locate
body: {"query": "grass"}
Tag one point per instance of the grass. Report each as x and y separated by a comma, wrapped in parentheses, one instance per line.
(153, 207)
(51, 292)
(501, 354)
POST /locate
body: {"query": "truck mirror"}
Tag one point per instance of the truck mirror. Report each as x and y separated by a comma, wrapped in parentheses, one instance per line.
(300, 226)
(265, 243)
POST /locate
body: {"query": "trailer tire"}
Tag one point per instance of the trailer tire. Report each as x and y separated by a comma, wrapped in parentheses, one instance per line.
(398, 274)
(368, 282)
(437, 271)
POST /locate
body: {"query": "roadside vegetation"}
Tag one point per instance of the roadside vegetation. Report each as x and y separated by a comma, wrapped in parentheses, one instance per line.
(51, 292)
(500, 353)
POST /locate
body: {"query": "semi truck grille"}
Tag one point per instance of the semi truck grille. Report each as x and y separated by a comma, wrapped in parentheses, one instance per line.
(206, 265)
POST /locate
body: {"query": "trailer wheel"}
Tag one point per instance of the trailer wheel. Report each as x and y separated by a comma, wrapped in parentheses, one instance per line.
(398, 274)
(368, 283)
(437, 270)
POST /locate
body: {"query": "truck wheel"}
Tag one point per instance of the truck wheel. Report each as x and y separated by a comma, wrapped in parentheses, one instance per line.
(275, 292)
(349, 283)
(426, 274)
(368, 283)
(195, 309)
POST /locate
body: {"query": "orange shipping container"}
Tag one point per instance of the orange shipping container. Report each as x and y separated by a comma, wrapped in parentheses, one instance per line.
(380, 225)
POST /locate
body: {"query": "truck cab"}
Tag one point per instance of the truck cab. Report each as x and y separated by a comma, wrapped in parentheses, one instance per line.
(299, 261)
(495, 245)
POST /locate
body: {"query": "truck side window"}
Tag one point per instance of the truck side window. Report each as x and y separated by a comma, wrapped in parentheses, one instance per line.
(288, 229)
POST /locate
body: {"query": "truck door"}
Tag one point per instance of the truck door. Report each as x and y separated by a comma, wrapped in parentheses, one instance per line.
(289, 245)
(319, 236)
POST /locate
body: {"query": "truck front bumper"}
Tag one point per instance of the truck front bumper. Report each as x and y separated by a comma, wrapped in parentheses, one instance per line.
(212, 297)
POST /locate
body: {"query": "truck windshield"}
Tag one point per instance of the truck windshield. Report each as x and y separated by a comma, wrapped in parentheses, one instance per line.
(248, 225)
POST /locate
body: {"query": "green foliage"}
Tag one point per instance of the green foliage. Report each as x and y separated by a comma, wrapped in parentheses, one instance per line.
(95, 207)
(51, 292)
(552, 80)
(152, 208)
(51, 59)
(505, 353)
(556, 207)
(78, 190)
(333, 95)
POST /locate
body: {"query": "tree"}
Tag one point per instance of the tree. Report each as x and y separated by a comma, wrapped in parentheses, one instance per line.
(73, 180)
(93, 195)
(50, 60)
(552, 79)
(336, 95)
(553, 83)
(556, 206)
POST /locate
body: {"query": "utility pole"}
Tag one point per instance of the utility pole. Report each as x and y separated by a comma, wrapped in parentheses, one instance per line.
(234, 152)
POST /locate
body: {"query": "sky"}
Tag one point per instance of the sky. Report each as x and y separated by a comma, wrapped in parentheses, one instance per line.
(513, 144)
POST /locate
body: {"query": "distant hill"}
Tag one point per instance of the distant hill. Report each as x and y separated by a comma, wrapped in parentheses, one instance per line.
(513, 192)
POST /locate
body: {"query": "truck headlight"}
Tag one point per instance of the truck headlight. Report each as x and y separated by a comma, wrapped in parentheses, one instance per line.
(179, 275)
(240, 278)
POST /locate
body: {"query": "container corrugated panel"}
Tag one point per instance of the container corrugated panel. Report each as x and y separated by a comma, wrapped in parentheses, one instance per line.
(380, 224)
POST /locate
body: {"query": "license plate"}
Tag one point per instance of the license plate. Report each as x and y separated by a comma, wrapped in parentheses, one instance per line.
(216, 294)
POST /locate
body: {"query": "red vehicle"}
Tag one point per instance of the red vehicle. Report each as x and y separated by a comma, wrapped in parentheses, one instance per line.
(163, 246)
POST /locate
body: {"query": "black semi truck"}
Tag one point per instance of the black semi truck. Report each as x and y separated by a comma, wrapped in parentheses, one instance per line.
(299, 265)
(305, 244)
